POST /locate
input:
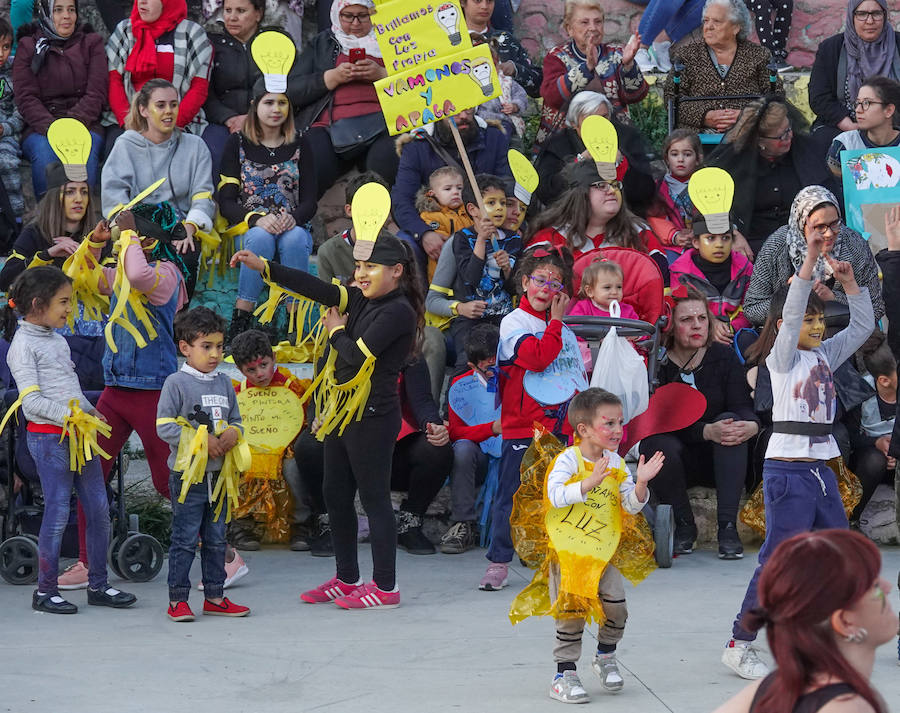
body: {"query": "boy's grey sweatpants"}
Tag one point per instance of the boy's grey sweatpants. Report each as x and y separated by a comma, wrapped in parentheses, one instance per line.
(611, 592)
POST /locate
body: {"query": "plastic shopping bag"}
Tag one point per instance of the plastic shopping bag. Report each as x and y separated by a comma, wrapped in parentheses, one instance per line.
(621, 370)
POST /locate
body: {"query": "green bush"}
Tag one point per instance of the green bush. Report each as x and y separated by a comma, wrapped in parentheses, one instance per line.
(153, 510)
(651, 119)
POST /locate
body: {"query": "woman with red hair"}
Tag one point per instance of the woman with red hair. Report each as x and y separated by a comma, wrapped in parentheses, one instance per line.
(825, 608)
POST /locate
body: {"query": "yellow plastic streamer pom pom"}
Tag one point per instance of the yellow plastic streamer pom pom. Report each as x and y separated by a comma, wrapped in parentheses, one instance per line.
(126, 298)
(87, 276)
(82, 429)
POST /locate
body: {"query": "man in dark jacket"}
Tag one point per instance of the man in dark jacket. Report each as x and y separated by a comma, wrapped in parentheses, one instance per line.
(423, 152)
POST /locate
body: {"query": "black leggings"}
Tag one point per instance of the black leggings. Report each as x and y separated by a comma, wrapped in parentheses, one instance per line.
(380, 157)
(689, 464)
(361, 459)
(420, 469)
(870, 467)
(309, 452)
(773, 24)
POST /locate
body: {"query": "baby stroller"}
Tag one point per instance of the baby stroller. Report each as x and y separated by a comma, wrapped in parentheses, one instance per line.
(643, 289)
(132, 555)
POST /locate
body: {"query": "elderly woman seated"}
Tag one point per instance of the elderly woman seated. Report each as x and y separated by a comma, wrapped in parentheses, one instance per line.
(584, 62)
(566, 146)
(867, 47)
(724, 63)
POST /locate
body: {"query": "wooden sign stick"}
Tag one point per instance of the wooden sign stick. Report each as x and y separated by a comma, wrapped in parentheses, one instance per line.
(464, 157)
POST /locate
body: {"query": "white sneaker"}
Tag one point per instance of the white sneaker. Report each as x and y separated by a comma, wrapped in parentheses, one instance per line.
(743, 658)
(661, 55)
(644, 61)
(567, 688)
(607, 668)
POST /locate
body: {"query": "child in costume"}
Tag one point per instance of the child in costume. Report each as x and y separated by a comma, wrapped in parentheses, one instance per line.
(441, 205)
(371, 332)
(11, 124)
(800, 490)
(470, 460)
(61, 423)
(270, 506)
(198, 411)
(541, 370)
(711, 266)
(485, 257)
(575, 475)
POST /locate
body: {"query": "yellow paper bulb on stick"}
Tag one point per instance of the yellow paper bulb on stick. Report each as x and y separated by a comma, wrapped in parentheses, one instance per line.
(711, 191)
(371, 206)
(274, 54)
(525, 175)
(71, 142)
(602, 142)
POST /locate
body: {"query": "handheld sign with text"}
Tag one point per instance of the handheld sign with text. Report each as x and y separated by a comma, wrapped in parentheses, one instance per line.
(410, 34)
(267, 435)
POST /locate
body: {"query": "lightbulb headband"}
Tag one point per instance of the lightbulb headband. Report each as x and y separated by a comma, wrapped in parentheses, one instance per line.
(711, 191)
(274, 54)
(71, 142)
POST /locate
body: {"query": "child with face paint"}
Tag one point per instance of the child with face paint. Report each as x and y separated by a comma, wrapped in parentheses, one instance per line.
(541, 370)
(372, 332)
(485, 257)
(717, 272)
(800, 490)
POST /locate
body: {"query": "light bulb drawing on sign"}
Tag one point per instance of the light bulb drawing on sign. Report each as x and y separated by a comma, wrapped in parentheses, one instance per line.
(481, 75)
(447, 16)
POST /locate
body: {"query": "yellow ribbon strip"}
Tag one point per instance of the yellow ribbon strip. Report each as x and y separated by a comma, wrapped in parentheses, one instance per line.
(82, 429)
(137, 199)
(86, 274)
(126, 297)
(338, 405)
(14, 406)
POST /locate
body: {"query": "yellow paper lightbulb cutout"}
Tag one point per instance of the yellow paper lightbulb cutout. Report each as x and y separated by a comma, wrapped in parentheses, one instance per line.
(711, 191)
(602, 142)
(371, 206)
(274, 54)
(71, 142)
(447, 16)
(525, 175)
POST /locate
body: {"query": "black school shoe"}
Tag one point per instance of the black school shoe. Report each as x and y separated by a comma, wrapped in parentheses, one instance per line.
(410, 536)
(685, 535)
(110, 597)
(730, 546)
(45, 603)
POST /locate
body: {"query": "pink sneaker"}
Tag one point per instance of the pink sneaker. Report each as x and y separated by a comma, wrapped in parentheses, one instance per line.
(328, 592)
(235, 570)
(369, 596)
(74, 577)
(495, 578)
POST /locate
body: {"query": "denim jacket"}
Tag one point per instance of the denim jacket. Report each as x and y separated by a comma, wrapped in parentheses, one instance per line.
(145, 368)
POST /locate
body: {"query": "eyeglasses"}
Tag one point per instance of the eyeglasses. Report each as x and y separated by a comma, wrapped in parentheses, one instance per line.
(864, 104)
(350, 18)
(783, 136)
(607, 185)
(552, 285)
(822, 230)
(868, 15)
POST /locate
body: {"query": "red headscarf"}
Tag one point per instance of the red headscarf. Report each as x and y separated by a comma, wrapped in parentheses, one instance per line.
(143, 55)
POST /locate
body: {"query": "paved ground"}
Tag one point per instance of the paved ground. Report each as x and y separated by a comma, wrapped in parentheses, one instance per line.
(449, 647)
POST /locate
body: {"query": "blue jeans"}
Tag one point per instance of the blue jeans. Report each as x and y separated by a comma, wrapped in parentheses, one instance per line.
(799, 497)
(513, 449)
(57, 481)
(192, 520)
(293, 247)
(677, 17)
(37, 149)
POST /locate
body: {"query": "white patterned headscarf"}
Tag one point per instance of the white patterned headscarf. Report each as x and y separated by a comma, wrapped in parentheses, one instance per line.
(348, 41)
(807, 200)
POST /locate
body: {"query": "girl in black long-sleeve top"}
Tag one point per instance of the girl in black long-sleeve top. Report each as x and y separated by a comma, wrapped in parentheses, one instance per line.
(372, 332)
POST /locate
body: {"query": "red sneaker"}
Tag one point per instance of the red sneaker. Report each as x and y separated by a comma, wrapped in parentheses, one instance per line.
(180, 612)
(328, 592)
(226, 608)
(369, 596)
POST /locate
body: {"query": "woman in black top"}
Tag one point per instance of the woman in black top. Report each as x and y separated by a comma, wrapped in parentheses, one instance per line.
(268, 181)
(717, 442)
(373, 330)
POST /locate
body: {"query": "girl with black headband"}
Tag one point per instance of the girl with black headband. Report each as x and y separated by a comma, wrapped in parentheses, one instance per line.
(373, 329)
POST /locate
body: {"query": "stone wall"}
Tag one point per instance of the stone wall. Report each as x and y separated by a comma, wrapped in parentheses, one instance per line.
(539, 24)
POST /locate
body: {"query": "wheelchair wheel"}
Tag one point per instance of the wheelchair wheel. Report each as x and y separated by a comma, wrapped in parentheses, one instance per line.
(112, 554)
(140, 557)
(663, 535)
(19, 560)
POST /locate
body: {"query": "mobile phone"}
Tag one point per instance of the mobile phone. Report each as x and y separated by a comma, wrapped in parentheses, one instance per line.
(357, 54)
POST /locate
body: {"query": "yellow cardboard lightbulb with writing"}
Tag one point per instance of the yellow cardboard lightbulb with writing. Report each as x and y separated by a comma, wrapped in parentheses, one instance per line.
(602, 142)
(71, 142)
(274, 54)
(371, 206)
(712, 191)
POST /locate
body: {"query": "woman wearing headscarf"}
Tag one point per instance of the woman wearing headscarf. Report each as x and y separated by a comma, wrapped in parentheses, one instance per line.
(336, 98)
(785, 250)
(158, 42)
(867, 47)
(59, 71)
